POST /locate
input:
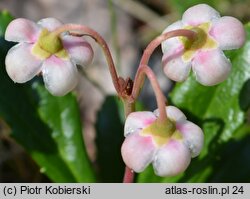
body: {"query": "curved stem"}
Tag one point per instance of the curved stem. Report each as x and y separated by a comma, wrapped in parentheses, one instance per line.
(160, 98)
(158, 40)
(90, 32)
(129, 174)
(140, 75)
(139, 78)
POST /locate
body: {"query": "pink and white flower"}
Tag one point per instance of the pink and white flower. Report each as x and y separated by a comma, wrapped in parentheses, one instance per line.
(169, 147)
(56, 59)
(205, 54)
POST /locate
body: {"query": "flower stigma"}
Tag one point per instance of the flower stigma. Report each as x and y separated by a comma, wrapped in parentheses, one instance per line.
(161, 131)
(202, 40)
(49, 44)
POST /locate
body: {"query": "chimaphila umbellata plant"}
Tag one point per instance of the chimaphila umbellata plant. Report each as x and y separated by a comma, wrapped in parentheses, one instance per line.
(164, 137)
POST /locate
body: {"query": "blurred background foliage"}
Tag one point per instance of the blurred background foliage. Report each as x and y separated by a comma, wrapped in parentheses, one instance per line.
(45, 138)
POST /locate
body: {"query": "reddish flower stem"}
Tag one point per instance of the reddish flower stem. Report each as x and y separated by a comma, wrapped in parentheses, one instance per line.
(158, 40)
(128, 175)
(142, 71)
(145, 70)
(98, 38)
(160, 98)
(139, 78)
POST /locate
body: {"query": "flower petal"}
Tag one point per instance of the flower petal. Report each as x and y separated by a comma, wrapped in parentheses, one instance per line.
(137, 121)
(174, 66)
(137, 151)
(172, 159)
(60, 76)
(198, 14)
(193, 137)
(79, 49)
(173, 113)
(211, 67)
(169, 43)
(22, 30)
(21, 65)
(228, 32)
(50, 23)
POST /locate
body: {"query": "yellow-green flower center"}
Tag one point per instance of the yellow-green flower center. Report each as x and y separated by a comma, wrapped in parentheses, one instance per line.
(202, 40)
(161, 132)
(49, 44)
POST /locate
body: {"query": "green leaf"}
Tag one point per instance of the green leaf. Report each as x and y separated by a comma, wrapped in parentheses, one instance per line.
(47, 127)
(109, 127)
(19, 110)
(109, 138)
(5, 19)
(221, 111)
(62, 116)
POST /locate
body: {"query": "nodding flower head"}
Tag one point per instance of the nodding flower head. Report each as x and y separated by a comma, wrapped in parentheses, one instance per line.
(168, 145)
(205, 53)
(41, 51)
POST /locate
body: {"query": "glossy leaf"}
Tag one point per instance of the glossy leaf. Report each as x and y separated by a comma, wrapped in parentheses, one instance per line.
(221, 111)
(109, 127)
(62, 116)
(19, 109)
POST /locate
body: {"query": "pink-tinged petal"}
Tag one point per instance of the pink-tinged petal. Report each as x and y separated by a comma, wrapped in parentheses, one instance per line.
(193, 137)
(137, 151)
(172, 42)
(22, 30)
(228, 32)
(198, 14)
(172, 159)
(20, 64)
(173, 113)
(211, 67)
(174, 66)
(137, 121)
(50, 23)
(80, 51)
(60, 76)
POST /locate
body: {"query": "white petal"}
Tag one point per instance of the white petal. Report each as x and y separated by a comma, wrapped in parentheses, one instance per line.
(211, 67)
(22, 30)
(228, 32)
(137, 151)
(193, 136)
(60, 76)
(137, 121)
(172, 159)
(198, 14)
(169, 43)
(50, 23)
(79, 49)
(174, 66)
(21, 65)
(173, 113)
